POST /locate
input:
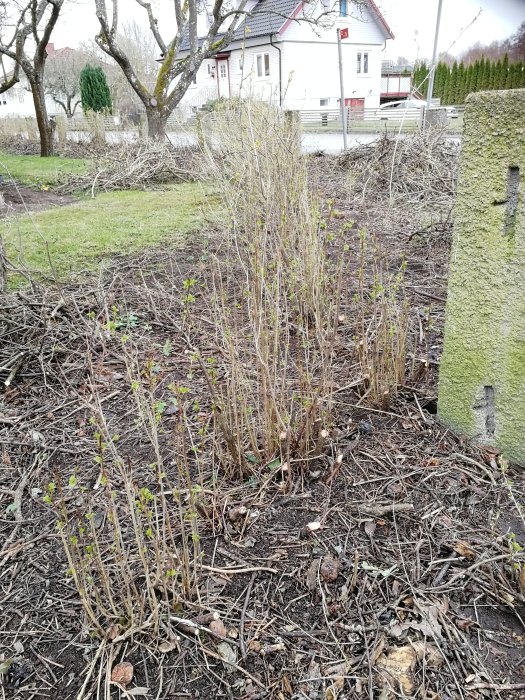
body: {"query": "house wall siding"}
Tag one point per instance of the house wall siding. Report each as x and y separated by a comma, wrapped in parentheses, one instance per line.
(243, 80)
(362, 27)
(311, 74)
(18, 102)
(309, 64)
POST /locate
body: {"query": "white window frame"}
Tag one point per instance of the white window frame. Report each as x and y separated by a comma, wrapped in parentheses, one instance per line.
(324, 101)
(223, 70)
(363, 62)
(262, 64)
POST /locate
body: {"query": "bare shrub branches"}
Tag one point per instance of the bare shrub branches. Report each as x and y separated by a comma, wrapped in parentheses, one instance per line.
(418, 168)
(382, 310)
(133, 166)
(277, 323)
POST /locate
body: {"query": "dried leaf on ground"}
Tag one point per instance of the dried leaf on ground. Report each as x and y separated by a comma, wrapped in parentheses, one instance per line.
(397, 668)
(311, 576)
(463, 623)
(236, 513)
(217, 626)
(329, 569)
(464, 550)
(287, 686)
(376, 571)
(122, 673)
(433, 657)
(229, 656)
(370, 527)
(398, 665)
(336, 674)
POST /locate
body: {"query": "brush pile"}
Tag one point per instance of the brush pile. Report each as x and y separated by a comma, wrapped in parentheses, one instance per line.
(412, 169)
(134, 165)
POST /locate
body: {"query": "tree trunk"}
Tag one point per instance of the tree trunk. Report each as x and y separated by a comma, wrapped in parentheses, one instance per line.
(157, 121)
(42, 119)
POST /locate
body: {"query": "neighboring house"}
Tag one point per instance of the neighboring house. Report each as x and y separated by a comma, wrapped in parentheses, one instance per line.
(18, 100)
(277, 55)
(396, 81)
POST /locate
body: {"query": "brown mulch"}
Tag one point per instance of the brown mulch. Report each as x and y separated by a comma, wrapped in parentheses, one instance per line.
(412, 549)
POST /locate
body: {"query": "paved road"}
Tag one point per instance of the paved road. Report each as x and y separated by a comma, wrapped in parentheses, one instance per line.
(333, 143)
(312, 142)
(329, 143)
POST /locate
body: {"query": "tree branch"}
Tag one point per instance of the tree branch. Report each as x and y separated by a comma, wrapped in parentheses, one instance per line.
(153, 25)
(7, 84)
(106, 40)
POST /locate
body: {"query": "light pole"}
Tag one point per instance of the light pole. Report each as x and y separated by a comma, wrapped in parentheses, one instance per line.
(430, 87)
(344, 33)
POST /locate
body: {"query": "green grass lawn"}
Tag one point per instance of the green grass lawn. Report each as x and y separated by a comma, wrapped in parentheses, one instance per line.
(33, 170)
(79, 235)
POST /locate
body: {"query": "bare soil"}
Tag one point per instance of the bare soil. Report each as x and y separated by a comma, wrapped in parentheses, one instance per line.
(18, 199)
(413, 546)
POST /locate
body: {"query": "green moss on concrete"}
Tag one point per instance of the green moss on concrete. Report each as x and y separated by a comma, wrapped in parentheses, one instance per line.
(485, 316)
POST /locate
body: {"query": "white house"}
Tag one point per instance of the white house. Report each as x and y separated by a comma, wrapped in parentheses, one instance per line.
(18, 100)
(279, 54)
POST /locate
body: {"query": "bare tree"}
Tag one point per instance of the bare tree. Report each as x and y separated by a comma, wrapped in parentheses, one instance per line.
(62, 78)
(32, 24)
(174, 75)
(139, 45)
(174, 72)
(7, 79)
(514, 47)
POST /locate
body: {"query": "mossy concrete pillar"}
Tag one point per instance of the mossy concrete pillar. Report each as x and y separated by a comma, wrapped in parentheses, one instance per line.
(482, 373)
(435, 117)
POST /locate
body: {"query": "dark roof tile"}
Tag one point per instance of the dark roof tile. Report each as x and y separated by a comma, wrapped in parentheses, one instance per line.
(267, 17)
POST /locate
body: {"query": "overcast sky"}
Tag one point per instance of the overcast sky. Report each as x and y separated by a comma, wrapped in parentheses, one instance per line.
(412, 22)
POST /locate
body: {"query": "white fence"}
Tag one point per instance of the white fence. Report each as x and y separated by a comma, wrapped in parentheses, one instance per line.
(379, 119)
(81, 123)
(363, 119)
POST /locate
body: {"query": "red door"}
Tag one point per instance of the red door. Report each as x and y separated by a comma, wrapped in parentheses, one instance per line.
(356, 107)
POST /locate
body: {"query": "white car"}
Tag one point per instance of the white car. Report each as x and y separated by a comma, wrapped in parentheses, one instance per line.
(406, 109)
(402, 109)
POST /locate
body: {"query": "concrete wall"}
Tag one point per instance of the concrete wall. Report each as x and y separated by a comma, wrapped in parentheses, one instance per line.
(482, 374)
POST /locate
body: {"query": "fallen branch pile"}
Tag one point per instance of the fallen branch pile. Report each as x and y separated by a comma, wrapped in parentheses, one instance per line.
(134, 165)
(415, 168)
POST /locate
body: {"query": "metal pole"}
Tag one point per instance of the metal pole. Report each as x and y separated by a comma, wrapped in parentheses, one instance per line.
(430, 87)
(342, 83)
